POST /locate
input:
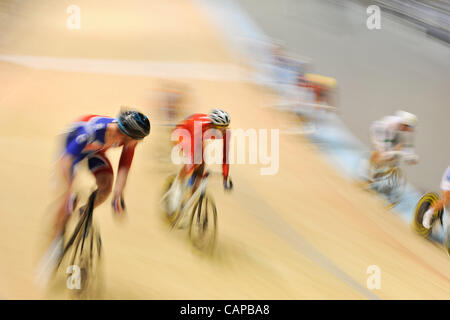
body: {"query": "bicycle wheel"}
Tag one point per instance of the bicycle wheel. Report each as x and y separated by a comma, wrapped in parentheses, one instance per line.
(84, 252)
(422, 206)
(203, 224)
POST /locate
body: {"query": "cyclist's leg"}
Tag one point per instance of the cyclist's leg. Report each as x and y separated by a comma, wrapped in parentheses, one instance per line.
(66, 206)
(54, 251)
(101, 168)
(186, 170)
(194, 169)
(187, 149)
(67, 203)
(375, 164)
(196, 176)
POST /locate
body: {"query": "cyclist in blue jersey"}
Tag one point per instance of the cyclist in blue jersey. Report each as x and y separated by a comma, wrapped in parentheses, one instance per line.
(88, 139)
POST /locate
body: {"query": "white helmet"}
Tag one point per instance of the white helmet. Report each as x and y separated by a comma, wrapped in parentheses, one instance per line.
(407, 118)
(219, 117)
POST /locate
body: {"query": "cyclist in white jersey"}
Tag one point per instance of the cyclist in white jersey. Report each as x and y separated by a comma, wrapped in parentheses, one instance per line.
(393, 136)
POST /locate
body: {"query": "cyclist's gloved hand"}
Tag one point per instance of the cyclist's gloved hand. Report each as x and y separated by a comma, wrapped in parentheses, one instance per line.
(71, 203)
(227, 184)
(118, 206)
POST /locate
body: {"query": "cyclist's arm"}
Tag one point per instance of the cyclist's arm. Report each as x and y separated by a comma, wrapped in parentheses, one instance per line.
(126, 159)
(226, 147)
(73, 150)
(443, 202)
(65, 164)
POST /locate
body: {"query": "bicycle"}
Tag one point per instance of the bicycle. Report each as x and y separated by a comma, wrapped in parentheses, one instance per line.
(83, 250)
(389, 181)
(198, 210)
(425, 202)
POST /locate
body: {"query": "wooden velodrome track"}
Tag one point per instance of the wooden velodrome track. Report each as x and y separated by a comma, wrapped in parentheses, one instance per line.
(304, 233)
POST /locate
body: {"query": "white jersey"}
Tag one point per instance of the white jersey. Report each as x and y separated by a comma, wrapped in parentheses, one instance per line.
(385, 134)
(445, 183)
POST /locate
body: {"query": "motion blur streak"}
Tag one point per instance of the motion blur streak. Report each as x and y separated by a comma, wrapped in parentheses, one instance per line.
(306, 232)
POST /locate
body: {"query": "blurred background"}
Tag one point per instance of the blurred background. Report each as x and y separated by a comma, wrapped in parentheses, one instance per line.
(311, 69)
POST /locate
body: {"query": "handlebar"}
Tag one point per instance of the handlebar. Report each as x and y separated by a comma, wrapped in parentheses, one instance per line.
(400, 155)
(119, 208)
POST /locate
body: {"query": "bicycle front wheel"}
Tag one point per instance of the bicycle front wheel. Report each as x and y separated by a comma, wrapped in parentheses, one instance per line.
(83, 251)
(422, 206)
(87, 257)
(203, 224)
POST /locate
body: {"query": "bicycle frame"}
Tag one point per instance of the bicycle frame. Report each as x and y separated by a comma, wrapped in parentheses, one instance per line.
(201, 190)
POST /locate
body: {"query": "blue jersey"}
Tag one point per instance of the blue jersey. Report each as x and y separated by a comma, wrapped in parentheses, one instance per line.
(87, 135)
(445, 183)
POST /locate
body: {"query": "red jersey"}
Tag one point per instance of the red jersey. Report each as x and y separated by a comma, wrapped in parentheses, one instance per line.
(197, 125)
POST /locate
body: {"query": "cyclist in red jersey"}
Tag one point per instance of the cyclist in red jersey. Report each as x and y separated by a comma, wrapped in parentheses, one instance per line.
(192, 144)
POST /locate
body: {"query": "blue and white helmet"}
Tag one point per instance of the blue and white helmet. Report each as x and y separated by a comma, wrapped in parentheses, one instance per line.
(219, 117)
(134, 124)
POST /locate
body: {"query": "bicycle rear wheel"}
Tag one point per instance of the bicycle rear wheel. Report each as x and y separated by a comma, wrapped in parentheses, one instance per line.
(203, 224)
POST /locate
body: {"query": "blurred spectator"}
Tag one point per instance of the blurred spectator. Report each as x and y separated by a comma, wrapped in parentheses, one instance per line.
(170, 100)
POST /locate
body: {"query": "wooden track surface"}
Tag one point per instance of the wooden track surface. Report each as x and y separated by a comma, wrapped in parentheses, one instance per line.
(304, 233)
